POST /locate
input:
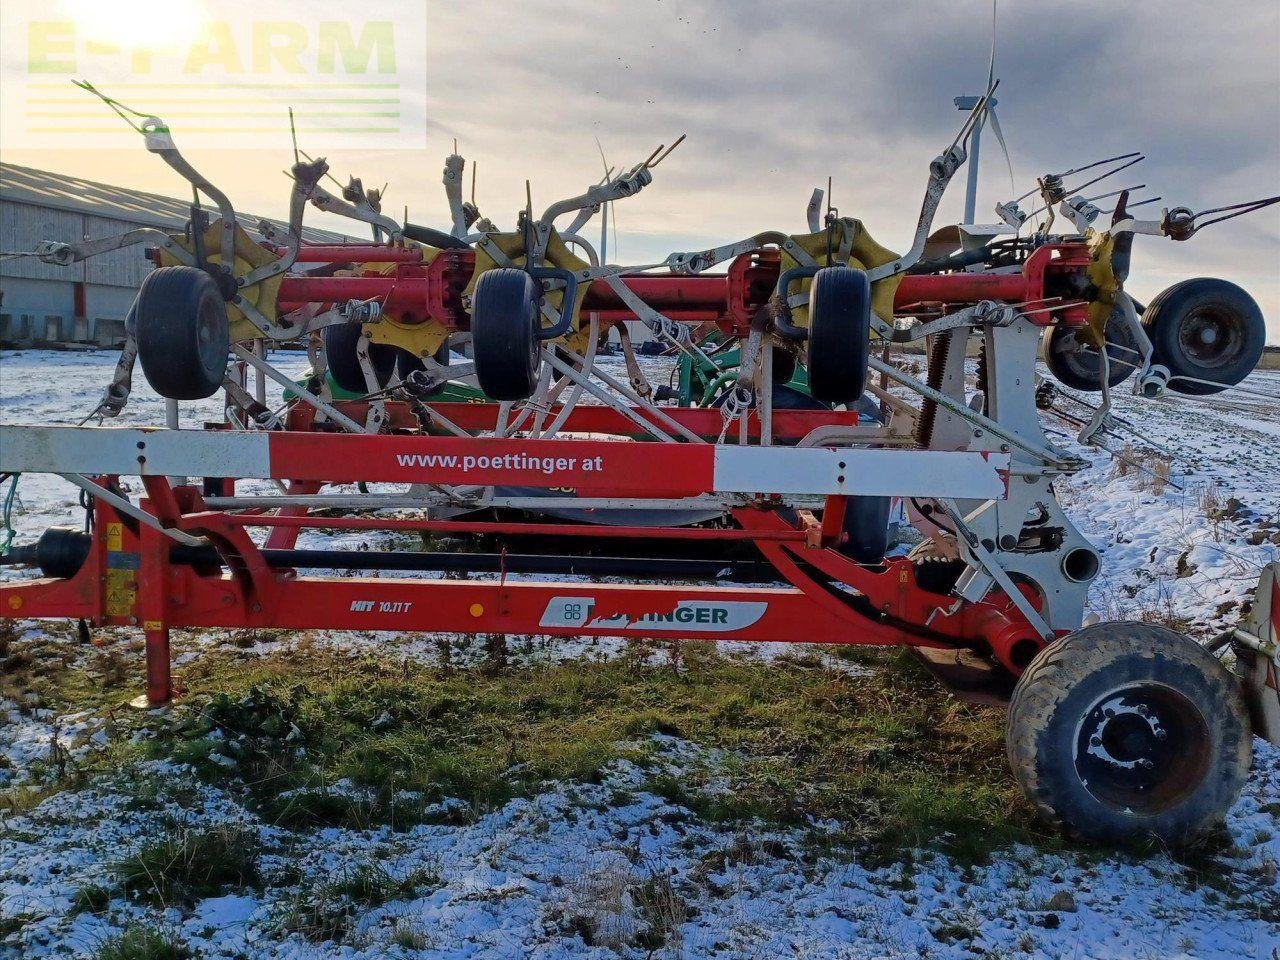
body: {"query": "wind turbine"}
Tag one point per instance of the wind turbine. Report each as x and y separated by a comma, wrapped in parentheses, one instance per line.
(970, 104)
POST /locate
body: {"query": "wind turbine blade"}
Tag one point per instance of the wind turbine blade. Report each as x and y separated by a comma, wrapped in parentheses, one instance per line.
(991, 66)
(995, 128)
(605, 209)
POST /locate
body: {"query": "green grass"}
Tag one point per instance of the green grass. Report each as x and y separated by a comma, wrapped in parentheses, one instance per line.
(143, 943)
(327, 912)
(185, 865)
(888, 754)
(92, 898)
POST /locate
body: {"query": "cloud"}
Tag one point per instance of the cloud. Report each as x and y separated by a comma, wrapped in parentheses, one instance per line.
(777, 96)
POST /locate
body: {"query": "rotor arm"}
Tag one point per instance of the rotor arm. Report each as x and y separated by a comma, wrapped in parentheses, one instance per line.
(361, 210)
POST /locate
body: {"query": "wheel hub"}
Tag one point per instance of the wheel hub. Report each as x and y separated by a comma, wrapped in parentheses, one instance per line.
(1210, 337)
(1142, 748)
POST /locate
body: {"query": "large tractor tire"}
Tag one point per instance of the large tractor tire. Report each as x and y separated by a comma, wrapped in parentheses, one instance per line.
(505, 320)
(341, 341)
(183, 333)
(1206, 329)
(839, 334)
(1128, 730)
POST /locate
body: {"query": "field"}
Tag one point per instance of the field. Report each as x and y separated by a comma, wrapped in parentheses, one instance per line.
(329, 794)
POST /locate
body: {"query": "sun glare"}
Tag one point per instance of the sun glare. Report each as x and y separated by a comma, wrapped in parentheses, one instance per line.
(138, 24)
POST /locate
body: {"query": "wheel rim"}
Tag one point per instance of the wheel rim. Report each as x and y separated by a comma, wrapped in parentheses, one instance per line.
(1211, 337)
(1142, 748)
(1085, 361)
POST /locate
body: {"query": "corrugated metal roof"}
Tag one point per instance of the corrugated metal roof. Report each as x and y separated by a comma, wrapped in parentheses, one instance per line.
(63, 192)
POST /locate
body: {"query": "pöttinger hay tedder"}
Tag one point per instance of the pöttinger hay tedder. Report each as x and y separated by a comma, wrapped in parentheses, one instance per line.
(455, 383)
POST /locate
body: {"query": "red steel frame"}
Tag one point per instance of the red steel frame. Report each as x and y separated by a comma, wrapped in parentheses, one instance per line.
(130, 580)
(415, 292)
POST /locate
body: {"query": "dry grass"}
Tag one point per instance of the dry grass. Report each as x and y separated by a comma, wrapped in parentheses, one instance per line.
(1150, 470)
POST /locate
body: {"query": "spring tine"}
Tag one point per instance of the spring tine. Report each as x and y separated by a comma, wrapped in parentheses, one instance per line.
(1137, 159)
(1075, 170)
(1114, 193)
(1236, 210)
(1098, 163)
(666, 153)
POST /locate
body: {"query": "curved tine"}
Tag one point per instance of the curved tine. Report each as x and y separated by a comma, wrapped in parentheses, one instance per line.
(657, 151)
(1087, 166)
(666, 153)
(1110, 173)
(1233, 210)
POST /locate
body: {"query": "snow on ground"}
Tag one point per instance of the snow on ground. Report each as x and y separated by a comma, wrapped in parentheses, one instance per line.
(528, 878)
(520, 881)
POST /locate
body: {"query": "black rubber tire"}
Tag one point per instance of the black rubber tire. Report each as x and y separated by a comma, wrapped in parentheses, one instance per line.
(1201, 760)
(866, 522)
(183, 333)
(340, 343)
(1180, 318)
(839, 334)
(505, 319)
(938, 575)
(784, 366)
(1077, 364)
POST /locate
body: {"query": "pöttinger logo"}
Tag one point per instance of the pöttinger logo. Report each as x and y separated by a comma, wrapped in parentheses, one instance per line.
(219, 74)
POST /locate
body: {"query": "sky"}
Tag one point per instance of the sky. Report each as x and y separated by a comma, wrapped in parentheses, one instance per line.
(775, 97)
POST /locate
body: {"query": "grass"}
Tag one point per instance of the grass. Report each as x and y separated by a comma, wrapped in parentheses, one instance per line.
(185, 865)
(91, 898)
(140, 942)
(888, 753)
(327, 912)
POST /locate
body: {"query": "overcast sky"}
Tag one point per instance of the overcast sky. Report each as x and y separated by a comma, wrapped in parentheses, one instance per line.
(777, 96)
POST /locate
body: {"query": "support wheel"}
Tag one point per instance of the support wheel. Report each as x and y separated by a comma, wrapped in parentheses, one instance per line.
(505, 320)
(1078, 365)
(341, 341)
(1128, 730)
(1206, 329)
(183, 333)
(839, 333)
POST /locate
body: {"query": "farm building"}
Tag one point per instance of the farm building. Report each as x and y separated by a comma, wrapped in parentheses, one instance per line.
(86, 302)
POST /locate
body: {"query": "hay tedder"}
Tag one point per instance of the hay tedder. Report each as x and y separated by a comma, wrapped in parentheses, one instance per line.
(457, 392)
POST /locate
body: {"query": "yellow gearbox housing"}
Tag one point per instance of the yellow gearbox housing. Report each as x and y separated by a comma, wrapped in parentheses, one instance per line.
(249, 256)
(420, 338)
